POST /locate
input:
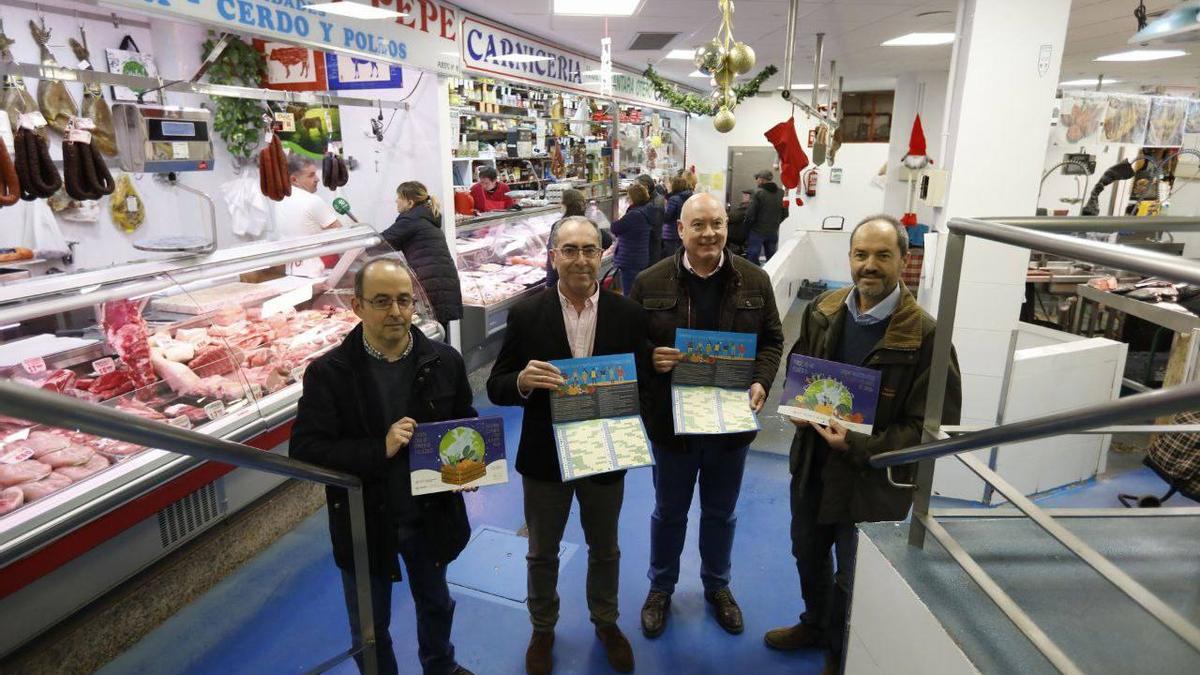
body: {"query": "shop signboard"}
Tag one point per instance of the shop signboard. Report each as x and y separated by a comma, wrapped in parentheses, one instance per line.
(424, 38)
(490, 49)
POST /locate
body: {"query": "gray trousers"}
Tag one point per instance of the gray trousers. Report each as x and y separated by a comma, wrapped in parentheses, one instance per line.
(547, 507)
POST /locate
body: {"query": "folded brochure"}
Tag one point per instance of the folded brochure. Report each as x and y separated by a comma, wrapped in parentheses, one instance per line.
(818, 391)
(457, 454)
(710, 384)
(597, 417)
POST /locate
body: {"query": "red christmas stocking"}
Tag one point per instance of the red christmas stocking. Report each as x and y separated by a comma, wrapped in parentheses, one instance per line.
(792, 159)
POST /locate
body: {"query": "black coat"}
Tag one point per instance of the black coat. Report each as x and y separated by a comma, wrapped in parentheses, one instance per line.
(766, 211)
(658, 212)
(674, 210)
(340, 425)
(536, 332)
(418, 234)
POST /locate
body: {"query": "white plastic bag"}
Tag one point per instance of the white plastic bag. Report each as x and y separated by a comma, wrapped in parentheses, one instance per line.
(594, 214)
(247, 205)
(42, 234)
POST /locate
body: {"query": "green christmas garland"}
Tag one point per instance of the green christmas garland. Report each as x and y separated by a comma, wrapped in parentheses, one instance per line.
(700, 105)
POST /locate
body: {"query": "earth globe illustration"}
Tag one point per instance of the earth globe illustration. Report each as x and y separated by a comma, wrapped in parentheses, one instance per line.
(459, 444)
(827, 397)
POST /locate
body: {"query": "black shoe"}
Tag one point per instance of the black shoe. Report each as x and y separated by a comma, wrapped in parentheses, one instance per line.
(792, 638)
(654, 614)
(729, 615)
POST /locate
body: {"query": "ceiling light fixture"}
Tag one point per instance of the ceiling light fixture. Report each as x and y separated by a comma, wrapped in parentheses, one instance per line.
(355, 11)
(1143, 55)
(681, 54)
(920, 40)
(697, 73)
(520, 58)
(1086, 82)
(802, 87)
(593, 8)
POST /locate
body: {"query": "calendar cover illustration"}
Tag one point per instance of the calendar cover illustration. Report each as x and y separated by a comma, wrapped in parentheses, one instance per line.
(457, 454)
(818, 391)
(597, 417)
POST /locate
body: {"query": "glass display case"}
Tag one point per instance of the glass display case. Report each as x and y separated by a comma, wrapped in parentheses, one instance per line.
(215, 343)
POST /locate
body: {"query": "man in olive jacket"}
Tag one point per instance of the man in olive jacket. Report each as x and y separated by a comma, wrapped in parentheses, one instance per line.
(874, 324)
(702, 286)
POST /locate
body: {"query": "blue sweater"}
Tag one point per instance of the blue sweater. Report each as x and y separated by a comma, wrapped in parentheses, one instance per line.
(633, 238)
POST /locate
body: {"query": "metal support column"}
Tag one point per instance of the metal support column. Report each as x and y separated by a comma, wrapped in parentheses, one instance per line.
(362, 581)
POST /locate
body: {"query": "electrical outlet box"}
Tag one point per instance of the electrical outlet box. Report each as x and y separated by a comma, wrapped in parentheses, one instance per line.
(931, 189)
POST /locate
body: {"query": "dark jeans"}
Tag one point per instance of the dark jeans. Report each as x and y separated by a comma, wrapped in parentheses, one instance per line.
(627, 277)
(719, 472)
(547, 507)
(758, 243)
(826, 594)
(435, 611)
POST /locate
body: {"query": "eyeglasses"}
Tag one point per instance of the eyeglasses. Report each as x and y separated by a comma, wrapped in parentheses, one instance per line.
(572, 252)
(382, 302)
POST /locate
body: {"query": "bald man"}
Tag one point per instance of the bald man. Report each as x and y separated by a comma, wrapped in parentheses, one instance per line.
(362, 402)
(703, 286)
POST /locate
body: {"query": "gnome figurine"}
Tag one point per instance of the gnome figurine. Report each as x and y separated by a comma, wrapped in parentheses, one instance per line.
(916, 159)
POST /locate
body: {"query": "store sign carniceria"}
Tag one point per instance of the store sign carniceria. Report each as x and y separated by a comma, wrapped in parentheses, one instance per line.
(424, 39)
(487, 48)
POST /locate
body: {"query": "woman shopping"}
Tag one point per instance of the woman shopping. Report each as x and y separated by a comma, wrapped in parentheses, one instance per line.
(633, 236)
(417, 233)
(681, 191)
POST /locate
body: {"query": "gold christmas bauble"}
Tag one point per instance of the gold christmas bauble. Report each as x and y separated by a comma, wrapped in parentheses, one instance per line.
(710, 57)
(724, 120)
(723, 77)
(741, 58)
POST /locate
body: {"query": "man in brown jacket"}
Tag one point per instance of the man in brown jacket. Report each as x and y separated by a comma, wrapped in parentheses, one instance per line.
(876, 323)
(702, 286)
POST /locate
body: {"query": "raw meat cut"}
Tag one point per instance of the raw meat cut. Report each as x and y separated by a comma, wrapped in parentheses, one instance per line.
(196, 415)
(136, 407)
(221, 387)
(215, 360)
(42, 442)
(231, 330)
(38, 489)
(115, 450)
(72, 455)
(23, 472)
(59, 380)
(96, 464)
(194, 336)
(112, 384)
(127, 334)
(229, 315)
(179, 377)
(11, 499)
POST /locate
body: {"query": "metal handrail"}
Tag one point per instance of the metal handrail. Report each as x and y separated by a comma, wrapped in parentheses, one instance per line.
(1131, 408)
(1116, 256)
(1099, 223)
(37, 405)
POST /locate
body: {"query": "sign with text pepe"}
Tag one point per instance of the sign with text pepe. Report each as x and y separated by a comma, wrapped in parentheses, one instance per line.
(424, 38)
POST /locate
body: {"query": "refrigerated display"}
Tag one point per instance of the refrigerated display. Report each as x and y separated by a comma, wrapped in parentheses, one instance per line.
(215, 343)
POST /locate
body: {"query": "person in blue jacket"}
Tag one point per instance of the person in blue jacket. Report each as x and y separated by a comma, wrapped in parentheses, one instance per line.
(633, 236)
(658, 211)
(681, 191)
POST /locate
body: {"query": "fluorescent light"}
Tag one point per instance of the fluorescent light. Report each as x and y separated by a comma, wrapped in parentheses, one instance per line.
(355, 10)
(1086, 82)
(801, 87)
(520, 58)
(1143, 55)
(593, 8)
(697, 73)
(681, 54)
(920, 40)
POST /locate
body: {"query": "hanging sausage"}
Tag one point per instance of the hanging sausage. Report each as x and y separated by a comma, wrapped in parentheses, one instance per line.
(334, 173)
(86, 175)
(273, 172)
(36, 173)
(10, 186)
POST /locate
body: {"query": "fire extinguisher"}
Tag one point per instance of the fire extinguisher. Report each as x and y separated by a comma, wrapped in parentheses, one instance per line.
(810, 183)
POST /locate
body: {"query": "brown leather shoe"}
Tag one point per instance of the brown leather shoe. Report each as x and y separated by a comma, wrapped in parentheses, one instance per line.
(538, 658)
(791, 638)
(654, 614)
(617, 647)
(729, 615)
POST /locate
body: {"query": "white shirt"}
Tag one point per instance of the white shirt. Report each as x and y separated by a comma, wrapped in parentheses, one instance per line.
(581, 326)
(301, 215)
(687, 264)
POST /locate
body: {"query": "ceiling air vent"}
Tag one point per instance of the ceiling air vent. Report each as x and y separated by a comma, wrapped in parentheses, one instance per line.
(651, 41)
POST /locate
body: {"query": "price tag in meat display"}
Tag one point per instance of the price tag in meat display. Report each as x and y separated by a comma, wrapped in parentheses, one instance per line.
(15, 455)
(215, 409)
(104, 366)
(256, 390)
(34, 365)
(182, 422)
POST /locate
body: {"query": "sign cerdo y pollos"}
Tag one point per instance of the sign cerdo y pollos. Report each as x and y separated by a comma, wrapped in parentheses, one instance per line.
(424, 38)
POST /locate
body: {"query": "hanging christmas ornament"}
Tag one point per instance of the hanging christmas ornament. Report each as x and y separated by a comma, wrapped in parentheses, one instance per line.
(724, 120)
(741, 58)
(710, 57)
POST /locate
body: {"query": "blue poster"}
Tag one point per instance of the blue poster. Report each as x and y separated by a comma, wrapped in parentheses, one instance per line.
(818, 391)
(457, 454)
(710, 386)
(352, 72)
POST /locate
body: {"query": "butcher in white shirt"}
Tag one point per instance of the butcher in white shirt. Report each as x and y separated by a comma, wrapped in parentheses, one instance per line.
(303, 213)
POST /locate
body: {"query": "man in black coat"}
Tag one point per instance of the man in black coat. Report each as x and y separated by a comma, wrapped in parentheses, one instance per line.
(763, 218)
(572, 319)
(361, 404)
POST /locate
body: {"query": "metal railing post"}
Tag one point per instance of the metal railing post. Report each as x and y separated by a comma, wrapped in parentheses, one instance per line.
(362, 582)
(939, 371)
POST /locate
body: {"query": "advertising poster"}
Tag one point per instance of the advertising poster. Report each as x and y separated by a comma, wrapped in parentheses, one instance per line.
(292, 68)
(457, 454)
(596, 414)
(352, 72)
(819, 391)
(710, 385)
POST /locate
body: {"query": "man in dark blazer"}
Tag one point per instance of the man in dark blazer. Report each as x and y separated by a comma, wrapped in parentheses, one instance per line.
(572, 319)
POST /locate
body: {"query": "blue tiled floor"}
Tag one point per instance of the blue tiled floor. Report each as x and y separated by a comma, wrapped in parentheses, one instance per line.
(283, 612)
